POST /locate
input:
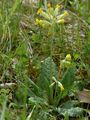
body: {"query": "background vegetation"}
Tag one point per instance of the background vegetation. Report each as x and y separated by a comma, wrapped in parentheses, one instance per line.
(44, 67)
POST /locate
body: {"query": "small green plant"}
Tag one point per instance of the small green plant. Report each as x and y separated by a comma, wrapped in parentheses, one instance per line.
(54, 91)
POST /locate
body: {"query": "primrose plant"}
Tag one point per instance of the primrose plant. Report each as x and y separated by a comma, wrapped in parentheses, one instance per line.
(51, 16)
(50, 19)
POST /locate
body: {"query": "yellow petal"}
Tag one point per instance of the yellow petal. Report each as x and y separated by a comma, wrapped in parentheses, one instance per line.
(39, 11)
(37, 21)
(57, 6)
(49, 5)
(68, 57)
(61, 86)
(65, 13)
(61, 21)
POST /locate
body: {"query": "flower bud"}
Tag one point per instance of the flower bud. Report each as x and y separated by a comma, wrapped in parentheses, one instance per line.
(37, 21)
(68, 57)
(65, 13)
(61, 86)
(39, 11)
(49, 5)
(57, 6)
(61, 21)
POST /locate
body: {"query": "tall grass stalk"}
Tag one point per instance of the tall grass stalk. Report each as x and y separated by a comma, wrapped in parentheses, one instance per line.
(4, 109)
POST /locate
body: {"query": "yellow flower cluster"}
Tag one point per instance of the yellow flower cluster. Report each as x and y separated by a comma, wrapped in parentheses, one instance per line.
(51, 16)
(39, 22)
(65, 13)
(59, 84)
(66, 62)
(49, 5)
(68, 57)
(39, 11)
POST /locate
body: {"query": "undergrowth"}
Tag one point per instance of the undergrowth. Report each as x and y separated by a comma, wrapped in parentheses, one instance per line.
(45, 60)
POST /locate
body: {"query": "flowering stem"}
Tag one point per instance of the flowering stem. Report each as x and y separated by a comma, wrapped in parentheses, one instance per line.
(51, 72)
(55, 95)
(45, 3)
(58, 98)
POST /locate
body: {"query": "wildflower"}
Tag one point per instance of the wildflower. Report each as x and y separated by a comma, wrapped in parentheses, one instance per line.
(49, 5)
(37, 21)
(58, 83)
(65, 13)
(56, 11)
(65, 64)
(61, 21)
(61, 86)
(39, 11)
(46, 15)
(51, 16)
(68, 57)
(57, 6)
(41, 23)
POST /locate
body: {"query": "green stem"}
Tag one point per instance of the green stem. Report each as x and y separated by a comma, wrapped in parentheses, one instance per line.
(58, 98)
(55, 95)
(51, 72)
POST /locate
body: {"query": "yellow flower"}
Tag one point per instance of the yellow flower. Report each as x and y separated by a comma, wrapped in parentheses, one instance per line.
(51, 16)
(39, 11)
(56, 11)
(61, 21)
(61, 86)
(57, 6)
(49, 5)
(41, 23)
(66, 13)
(68, 57)
(37, 21)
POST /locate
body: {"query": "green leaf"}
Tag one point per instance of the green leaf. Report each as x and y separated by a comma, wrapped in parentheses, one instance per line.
(37, 100)
(22, 49)
(69, 104)
(36, 38)
(48, 69)
(72, 112)
(68, 80)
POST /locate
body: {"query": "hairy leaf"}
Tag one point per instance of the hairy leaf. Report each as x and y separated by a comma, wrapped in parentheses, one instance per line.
(68, 80)
(48, 70)
(72, 112)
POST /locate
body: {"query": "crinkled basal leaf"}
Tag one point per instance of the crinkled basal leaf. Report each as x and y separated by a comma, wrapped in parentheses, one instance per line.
(84, 96)
(48, 70)
(72, 112)
(69, 104)
(44, 115)
(37, 100)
